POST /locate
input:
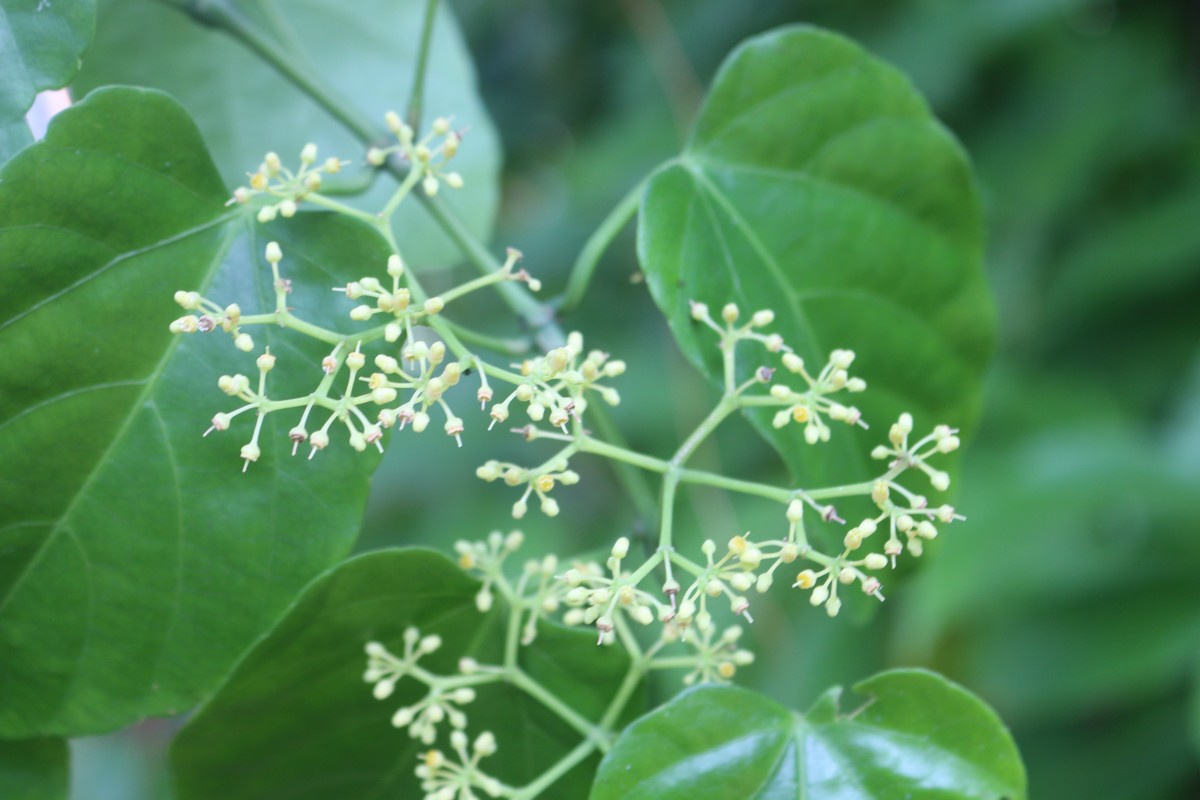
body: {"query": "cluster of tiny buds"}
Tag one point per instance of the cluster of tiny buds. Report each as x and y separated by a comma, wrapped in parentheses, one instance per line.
(445, 779)
(538, 587)
(730, 314)
(944, 439)
(428, 157)
(717, 657)
(807, 407)
(746, 565)
(441, 703)
(595, 598)
(540, 481)
(292, 187)
(395, 302)
(423, 367)
(553, 385)
(487, 558)
(208, 317)
(596, 595)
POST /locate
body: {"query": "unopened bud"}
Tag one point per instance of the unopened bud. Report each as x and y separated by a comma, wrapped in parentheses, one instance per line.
(875, 561)
(762, 318)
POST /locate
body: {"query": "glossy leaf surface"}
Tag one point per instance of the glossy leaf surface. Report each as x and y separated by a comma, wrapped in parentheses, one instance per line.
(138, 560)
(817, 183)
(918, 736)
(296, 720)
(363, 53)
(40, 46)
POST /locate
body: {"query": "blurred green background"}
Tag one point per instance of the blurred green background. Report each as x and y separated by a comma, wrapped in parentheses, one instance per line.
(1069, 599)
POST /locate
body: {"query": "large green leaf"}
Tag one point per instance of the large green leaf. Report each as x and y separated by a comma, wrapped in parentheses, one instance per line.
(817, 183)
(364, 51)
(137, 559)
(295, 720)
(34, 769)
(40, 45)
(918, 737)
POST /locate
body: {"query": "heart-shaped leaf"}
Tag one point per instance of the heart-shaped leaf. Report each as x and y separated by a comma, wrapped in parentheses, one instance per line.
(364, 53)
(296, 720)
(817, 183)
(40, 46)
(918, 737)
(138, 561)
(33, 769)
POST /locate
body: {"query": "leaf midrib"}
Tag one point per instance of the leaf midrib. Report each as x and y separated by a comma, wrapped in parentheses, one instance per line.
(61, 524)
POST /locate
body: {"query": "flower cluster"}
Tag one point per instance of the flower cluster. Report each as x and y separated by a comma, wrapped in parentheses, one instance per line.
(443, 779)
(275, 180)
(716, 658)
(425, 370)
(552, 387)
(426, 158)
(441, 703)
(596, 598)
(538, 584)
(540, 481)
(209, 317)
(807, 407)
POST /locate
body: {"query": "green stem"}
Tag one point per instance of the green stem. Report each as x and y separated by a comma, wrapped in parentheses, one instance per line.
(509, 347)
(512, 636)
(410, 180)
(474, 285)
(637, 671)
(634, 482)
(329, 203)
(350, 185)
(417, 94)
(596, 447)
(666, 529)
(596, 245)
(225, 15)
(519, 679)
(286, 320)
(675, 662)
(645, 569)
(734, 485)
(538, 318)
(560, 768)
(726, 406)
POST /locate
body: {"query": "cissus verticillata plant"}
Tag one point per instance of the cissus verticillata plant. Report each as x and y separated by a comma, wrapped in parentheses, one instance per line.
(815, 249)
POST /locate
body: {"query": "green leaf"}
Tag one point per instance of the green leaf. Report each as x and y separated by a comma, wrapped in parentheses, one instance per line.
(919, 737)
(138, 561)
(14, 135)
(40, 46)
(34, 769)
(817, 183)
(363, 51)
(296, 720)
